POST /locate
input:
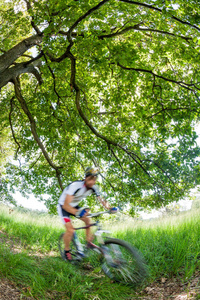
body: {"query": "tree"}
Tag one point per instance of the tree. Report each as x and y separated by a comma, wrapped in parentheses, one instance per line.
(109, 83)
(6, 152)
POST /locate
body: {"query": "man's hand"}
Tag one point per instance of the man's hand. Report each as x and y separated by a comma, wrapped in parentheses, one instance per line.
(82, 212)
(114, 210)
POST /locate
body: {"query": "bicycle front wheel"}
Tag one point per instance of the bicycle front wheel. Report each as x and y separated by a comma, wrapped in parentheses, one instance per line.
(123, 263)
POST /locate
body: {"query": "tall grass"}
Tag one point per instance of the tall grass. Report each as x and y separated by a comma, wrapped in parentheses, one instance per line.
(171, 247)
(36, 231)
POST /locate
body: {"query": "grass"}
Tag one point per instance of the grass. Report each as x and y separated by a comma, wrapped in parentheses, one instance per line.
(50, 278)
(171, 247)
(39, 232)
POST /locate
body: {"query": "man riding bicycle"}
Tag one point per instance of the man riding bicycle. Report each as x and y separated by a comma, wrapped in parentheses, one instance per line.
(68, 206)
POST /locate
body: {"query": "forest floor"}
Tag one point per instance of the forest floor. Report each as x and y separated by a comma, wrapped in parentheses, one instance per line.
(162, 289)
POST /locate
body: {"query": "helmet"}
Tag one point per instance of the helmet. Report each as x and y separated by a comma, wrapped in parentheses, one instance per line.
(90, 171)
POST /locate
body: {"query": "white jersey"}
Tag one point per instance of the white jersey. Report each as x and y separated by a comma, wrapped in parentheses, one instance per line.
(79, 191)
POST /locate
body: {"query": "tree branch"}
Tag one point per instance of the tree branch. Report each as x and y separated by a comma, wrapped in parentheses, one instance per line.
(35, 162)
(54, 79)
(108, 182)
(138, 28)
(70, 32)
(89, 12)
(11, 55)
(163, 171)
(159, 10)
(117, 159)
(87, 122)
(11, 73)
(29, 7)
(34, 130)
(181, 83)
(171, 109)
(11, 126)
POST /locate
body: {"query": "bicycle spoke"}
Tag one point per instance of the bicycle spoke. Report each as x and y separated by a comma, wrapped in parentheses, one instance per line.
(123, 263)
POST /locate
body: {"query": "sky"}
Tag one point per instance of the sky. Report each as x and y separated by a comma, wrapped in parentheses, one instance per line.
(31, 202)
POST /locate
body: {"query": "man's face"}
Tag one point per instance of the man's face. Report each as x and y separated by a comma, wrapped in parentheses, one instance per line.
(90, 181)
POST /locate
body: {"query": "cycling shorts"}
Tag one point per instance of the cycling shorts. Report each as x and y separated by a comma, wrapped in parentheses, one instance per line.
(65, 215)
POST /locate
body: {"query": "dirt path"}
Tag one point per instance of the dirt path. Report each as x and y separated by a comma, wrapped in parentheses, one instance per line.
(8, 291)
(174, 288)
(162, 289)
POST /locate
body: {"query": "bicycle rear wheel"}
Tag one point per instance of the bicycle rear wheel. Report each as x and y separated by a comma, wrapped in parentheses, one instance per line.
(73, 248)
(123, 263)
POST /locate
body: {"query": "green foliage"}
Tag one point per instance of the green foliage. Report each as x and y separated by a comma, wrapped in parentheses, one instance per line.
(5, 148)
(136, 68)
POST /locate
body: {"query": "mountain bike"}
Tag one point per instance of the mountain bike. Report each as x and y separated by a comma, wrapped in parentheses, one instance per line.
(119, 260)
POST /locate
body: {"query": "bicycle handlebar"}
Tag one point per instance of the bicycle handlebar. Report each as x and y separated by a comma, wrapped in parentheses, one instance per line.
(93, 215)
(98, 213)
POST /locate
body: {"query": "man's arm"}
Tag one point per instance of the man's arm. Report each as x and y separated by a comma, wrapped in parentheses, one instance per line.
(66, 206)
(104, 202)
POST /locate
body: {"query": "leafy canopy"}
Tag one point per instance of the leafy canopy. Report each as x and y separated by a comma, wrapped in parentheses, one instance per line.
(108, 83)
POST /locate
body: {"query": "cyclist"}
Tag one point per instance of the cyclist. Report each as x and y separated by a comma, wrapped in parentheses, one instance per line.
(68, 206)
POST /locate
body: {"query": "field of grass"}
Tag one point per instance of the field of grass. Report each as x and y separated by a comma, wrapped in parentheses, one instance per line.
(29, 255)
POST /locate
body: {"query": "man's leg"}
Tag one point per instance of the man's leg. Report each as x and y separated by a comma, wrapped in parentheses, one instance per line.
(68, 235)
(88, 230)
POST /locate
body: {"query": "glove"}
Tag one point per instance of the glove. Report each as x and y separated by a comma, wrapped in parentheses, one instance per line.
(81, 212)
(114, 210)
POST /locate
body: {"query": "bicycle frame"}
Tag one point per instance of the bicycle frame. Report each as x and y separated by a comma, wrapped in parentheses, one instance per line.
(98, 233)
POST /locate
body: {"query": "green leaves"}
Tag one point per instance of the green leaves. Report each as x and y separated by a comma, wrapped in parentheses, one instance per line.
(132, 70)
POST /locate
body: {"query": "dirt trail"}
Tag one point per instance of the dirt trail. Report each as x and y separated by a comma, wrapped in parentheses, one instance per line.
(8, 291)
(174, 288)
(162, 289)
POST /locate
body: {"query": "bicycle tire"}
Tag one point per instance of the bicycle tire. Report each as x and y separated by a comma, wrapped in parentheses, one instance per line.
(123, 262)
